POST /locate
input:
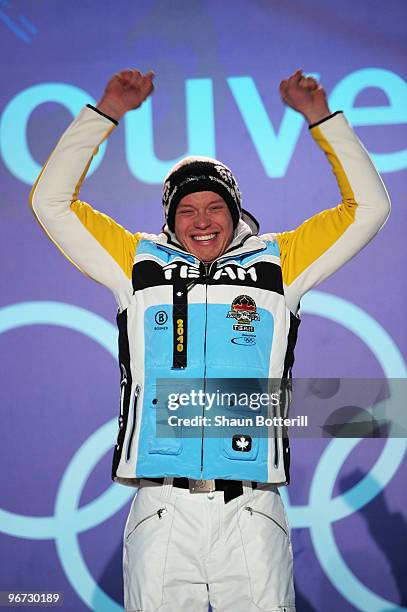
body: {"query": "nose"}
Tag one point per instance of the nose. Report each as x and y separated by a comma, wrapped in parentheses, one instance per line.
(202, 219)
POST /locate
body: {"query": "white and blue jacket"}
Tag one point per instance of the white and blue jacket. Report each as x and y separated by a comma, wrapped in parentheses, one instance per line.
(157, 284)
(173, 292)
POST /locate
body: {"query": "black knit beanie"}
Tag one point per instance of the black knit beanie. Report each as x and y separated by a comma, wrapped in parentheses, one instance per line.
(194, 174)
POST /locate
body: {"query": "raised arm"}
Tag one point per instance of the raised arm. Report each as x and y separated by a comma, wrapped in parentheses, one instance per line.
(323, 243)
(92, 241)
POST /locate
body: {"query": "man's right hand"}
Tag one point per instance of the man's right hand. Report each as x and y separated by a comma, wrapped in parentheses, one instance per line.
(125, 91)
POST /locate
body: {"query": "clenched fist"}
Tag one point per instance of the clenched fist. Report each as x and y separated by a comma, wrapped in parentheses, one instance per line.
(305, 95)
(125, 91)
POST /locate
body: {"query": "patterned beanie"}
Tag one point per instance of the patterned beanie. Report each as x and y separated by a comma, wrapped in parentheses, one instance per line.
(194, 174)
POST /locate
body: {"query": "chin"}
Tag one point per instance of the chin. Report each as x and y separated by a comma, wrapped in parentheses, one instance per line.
(207, 255)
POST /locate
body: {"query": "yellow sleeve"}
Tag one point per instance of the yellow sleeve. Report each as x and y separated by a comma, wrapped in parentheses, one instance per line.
(118, 242)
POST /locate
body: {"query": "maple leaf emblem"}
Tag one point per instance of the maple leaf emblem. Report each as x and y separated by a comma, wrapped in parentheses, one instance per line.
(242, 442)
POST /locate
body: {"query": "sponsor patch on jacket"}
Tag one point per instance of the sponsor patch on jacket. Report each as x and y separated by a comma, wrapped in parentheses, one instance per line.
(161, 318)
(244, 310)
(242, 443)
(244, 340)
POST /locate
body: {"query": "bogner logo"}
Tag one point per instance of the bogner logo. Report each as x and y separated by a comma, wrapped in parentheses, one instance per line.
(243, 309)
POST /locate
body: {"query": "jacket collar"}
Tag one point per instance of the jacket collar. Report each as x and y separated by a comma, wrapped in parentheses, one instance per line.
(243, 241)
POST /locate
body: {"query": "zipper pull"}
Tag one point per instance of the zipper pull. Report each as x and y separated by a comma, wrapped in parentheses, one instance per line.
(249, 510)
(161, 511)
(203, 272)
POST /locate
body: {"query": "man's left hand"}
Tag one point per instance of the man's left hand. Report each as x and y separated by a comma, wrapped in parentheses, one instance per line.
(306, 96)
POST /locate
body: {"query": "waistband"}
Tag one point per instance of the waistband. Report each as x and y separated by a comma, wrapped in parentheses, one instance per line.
(230, 488)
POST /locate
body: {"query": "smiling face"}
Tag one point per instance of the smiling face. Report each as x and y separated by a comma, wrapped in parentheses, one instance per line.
(203, 225)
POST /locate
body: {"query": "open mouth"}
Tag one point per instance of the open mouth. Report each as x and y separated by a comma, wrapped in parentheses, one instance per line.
(205, 237)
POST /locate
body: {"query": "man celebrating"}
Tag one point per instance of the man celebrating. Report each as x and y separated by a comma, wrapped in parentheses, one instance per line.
(207, 523)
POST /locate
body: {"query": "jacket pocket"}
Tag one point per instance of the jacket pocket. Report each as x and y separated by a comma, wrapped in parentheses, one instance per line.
(240, 439)
(166, 428)
(132, 422)
(240, 447)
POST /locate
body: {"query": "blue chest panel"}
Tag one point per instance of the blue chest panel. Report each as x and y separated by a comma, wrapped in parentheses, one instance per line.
(223, 318)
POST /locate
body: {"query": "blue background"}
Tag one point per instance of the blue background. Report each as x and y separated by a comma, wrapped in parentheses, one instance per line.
(218, 66)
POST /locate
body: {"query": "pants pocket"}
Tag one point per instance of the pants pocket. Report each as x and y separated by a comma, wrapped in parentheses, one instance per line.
(146, 539)
(267, 550)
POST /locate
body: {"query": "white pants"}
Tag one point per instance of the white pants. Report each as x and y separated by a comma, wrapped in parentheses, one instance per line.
(183, 550)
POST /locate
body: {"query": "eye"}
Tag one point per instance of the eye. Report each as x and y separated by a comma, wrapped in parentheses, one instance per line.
(217, 207)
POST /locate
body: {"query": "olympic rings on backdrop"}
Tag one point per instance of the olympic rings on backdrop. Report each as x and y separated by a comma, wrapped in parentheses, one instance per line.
(318, 516)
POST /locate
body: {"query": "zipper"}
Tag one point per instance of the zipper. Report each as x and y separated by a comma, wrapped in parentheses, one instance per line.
(123, 385)
(158, 513)
(276, 454)
(133, 424)
(253, 511)
(207, 273)
(225, 256)
(208, 268)
(276, 437)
